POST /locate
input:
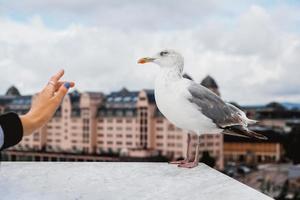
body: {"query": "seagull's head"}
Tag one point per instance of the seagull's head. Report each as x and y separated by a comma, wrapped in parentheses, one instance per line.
(165, 59)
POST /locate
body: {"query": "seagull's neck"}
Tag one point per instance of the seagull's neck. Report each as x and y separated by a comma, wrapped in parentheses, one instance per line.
(170, 74)
(166, 77)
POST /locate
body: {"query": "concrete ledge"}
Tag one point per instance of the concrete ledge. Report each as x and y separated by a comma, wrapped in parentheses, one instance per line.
(129, 181)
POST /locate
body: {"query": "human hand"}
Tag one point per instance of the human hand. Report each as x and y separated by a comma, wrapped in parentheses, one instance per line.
(45, 104)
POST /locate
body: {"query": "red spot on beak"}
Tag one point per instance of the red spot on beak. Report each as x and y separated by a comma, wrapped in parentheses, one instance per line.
(142, 61)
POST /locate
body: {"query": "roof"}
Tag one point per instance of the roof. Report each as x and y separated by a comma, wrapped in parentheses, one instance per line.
(12, 91)
(4, 100)
(122, 98)
(75, 98)
(150, 96)
(157, 113)
(19, 104)
(274, 106)
(209, 82)
(117, 112)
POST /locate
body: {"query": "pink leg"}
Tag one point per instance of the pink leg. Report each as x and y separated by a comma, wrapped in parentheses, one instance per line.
(196, 160)
(187, 159)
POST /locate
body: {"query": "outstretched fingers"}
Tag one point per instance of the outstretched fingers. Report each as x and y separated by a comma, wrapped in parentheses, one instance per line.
(62, 91)
(60, 83)
(57, 76)
(53, 83)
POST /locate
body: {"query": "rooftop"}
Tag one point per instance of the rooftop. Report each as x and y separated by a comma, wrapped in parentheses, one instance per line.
(118, 181)
(209, 82)
(12, 91)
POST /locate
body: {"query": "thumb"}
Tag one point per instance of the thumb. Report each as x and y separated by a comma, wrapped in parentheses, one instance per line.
(62, 91)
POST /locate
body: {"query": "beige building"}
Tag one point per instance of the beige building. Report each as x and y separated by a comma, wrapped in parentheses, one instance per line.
(123, 122)
(71, 130)
(130, 123)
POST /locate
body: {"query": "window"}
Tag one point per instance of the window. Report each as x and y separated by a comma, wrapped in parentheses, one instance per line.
(171, 127)
(209, 136)
(171, 136)
(119, 113)
(178, 137)
(129, 113)
(159, 144)
(209, 144)
(179, 145)
(159, 129)
(159, 121)
(128, 136)
(142, 98)
(159, 137)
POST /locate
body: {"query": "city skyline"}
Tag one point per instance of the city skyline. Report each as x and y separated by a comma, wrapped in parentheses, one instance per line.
(288, 104)
(128, 123)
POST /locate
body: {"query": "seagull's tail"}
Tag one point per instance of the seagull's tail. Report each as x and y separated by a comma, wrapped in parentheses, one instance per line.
(243, 132)
(251, 121)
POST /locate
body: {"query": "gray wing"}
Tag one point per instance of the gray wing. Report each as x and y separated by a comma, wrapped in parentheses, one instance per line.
(213, 107)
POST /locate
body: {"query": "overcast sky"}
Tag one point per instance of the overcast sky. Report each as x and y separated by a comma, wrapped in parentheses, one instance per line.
(251, 49)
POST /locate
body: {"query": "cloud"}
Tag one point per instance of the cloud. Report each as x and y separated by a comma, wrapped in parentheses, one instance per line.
(252, 58)
(122, 14)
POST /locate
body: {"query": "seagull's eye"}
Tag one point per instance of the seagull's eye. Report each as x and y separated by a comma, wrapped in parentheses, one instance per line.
(163, 53)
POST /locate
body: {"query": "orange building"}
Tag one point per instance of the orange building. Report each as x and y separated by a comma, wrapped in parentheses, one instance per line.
(253, 151)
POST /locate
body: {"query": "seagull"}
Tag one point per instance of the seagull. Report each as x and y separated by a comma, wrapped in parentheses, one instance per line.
(192, 107)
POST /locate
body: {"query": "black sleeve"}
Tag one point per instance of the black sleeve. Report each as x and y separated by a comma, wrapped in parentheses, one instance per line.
(12, 128)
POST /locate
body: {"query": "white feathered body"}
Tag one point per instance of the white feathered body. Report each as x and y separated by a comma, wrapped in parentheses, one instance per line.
(171, 95)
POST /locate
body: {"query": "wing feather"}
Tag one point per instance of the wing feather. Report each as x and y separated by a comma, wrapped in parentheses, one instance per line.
(213, 107)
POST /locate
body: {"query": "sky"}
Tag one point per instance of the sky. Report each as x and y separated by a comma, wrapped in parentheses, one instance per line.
(251, 48)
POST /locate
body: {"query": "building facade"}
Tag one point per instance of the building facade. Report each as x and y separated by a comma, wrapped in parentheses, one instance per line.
(127, 123)
(254, 151)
